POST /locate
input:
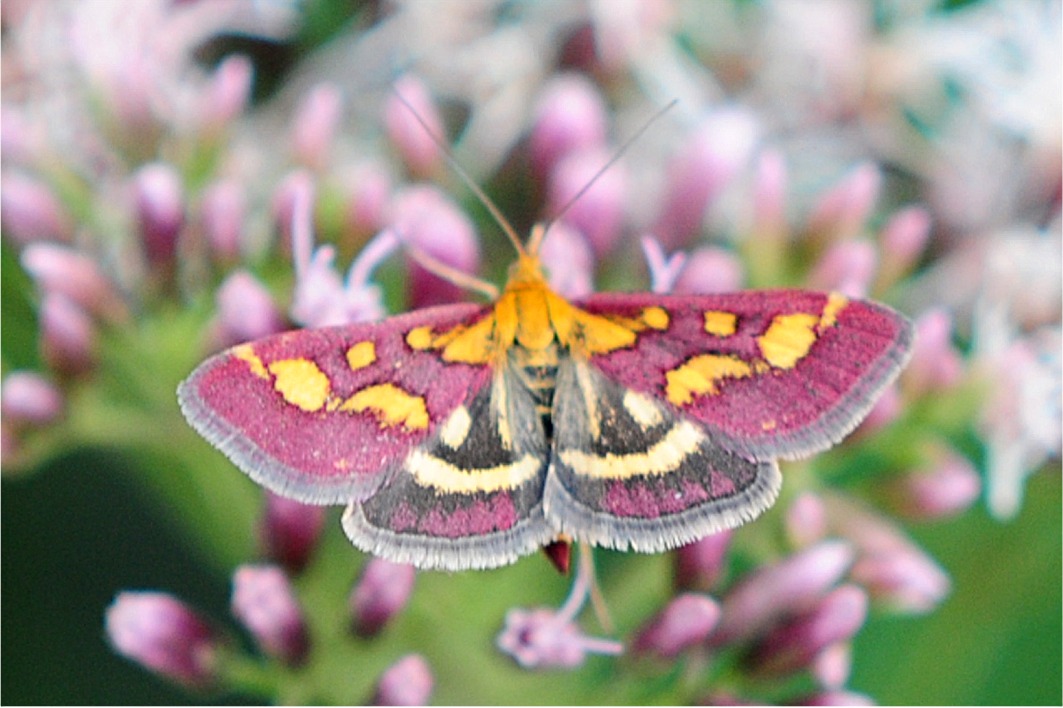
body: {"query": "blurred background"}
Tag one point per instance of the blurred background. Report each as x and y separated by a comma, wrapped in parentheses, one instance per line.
(907, 151)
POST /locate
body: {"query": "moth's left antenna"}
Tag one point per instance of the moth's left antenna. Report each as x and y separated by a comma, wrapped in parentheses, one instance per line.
(499, 218)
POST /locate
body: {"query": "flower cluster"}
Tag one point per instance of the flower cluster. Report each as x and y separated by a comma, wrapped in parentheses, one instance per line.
(157, 214)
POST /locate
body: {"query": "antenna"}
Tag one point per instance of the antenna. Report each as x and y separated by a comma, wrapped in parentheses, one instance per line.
(539, 234)
(499, 218)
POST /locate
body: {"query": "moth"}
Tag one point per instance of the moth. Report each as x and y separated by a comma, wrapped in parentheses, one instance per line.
(465, 436)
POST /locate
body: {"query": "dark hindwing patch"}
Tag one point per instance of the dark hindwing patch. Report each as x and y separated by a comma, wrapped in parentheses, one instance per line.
(627, 472)
(471, 497)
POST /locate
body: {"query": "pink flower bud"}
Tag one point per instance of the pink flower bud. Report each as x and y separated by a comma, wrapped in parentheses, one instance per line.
(416, 147)
(164, 635)
(948, 485)
(226, 96)
(773, 592)
(935, 364)
(843, 210)
(902, 240)
(380, 594)
(769, 198)
(715, 152)
(427, 220)
(570, 116)
(31, 212)
(685, 622)
(710, 270)
(367, 189)
(68, 335)
(264, 602)
(699, 565)
(569, 260)
(289, 531)
(793, 645)
(663, 269)
(544, 638)
(27, 398)
(74, 275)
(408, 682)
(160, 211)
(805, 520)
(599, 212)
(832, 666)
(222, 213)
(846, 267)
(245, 311)
(314, 126)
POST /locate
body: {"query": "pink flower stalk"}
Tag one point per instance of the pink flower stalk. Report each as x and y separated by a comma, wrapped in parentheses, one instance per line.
(713, 154)
(321, 299)
(599, 212)
(264, 602)
(426, 220)
(159, 197)
(27, 398)
(75, 275)
(948, 485)
(684, 623)
(31, 212)
(226, 96)
(846, 267)
(408, 682)
(245, 310)
(805, 520)
(843, 210)
(664, 270)
(314, 126)
(551, 639)
(699, 565)
(903, 240)
(569, 261)
(570, 116)
(290, 530)
(710, 270)
(380, 594)
(367, 189)
(164, 635)
(774, 592)
(415, 145)
(795, 644)
(222, 212)
(936, 364)
(68, 335)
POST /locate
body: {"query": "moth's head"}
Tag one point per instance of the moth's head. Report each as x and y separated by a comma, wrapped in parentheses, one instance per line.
(527, 269)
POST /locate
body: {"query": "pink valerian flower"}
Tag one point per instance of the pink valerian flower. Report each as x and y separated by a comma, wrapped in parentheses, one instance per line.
(551, 639)
(569, 261)
(164, 635)
(321, 298)
(227, 93)
(699, 565)
(902, 242)
(842, 211)
(245, 311)
(570, 115)
(599, 212)
(264, 602)
(416, 146)
(289, 530)
(382, 591)
(936, 365)
(65, 271)
(29, 399)
(664, 270)
(805, 520)
(222, 210)
(30, 211)
(367, 191)
(407, 682)
(68, 335)
(847, 267)
(314, 126)
(710, 270)
(944, 486)
(159, 199)
(684, 623)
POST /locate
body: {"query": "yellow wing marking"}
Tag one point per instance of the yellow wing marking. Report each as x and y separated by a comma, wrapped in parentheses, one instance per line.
(245, 352)
(722, 324)
(361, 355)
(301, 383)
(391, 405)
(431, 471)
(642, 409)
(836, 302)
(456, 428)
(666, 456)
(701, 374)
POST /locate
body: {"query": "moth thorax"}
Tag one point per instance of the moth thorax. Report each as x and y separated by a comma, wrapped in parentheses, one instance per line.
(537, 370)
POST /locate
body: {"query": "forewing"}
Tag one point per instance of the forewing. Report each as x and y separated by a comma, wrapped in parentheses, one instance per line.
(774, 373)
(628, 472)
(471, 497)
(324, 415)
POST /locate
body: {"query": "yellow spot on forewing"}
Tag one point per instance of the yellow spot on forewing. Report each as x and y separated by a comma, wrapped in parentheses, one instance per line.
(472, 345)
(391, 405)
(642, 409)
(430, 471)
(836, 302)
(788, 339)
(245, 352)
(665, 456)
(420, 338)
(361, 355)
(301, 383)
(456, 428)
(598, 335)
(701, 375)
(722, 324)
(655, 318)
